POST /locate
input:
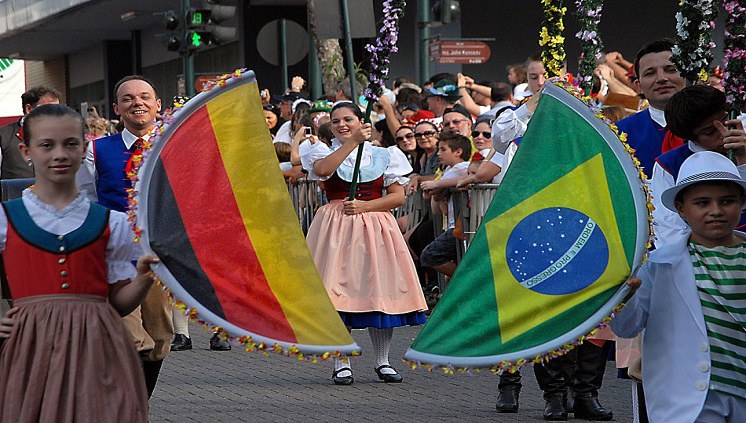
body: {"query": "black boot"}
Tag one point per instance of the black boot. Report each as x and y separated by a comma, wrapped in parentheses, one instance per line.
(181, 343)
(509, 388)
(553, 377)
(587, 407)
(555, 408)
(589, 374)
(219, 344)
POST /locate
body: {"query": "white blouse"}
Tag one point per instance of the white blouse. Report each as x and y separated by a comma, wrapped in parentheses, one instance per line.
(121, 249)
(398, 164)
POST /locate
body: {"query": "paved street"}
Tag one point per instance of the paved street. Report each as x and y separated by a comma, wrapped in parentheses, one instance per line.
(238, 386)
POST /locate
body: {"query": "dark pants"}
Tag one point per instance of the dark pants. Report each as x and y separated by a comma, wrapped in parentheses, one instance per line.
(581, 370)
(151, 369)
(510, 381)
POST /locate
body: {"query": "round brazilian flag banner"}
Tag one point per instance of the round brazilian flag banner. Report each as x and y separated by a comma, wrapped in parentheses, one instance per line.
(214, 207)
(563, 233)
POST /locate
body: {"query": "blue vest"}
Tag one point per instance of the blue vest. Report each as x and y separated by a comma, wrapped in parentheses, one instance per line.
(645, 136)
(111, 156)
(671, 162)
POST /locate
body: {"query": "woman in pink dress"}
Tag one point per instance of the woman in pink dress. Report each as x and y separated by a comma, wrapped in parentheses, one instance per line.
(357, 246)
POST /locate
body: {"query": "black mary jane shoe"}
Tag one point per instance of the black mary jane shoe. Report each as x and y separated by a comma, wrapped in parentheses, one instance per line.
(219, 344)
(342, 380)
(388, 377)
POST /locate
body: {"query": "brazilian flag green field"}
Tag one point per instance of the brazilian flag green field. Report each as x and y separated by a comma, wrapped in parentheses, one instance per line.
(564, 231)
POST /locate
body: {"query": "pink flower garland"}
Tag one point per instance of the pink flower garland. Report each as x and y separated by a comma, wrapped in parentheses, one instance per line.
(734, 81)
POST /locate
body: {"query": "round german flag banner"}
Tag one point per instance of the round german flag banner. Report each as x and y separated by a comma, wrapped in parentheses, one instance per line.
(213, 206)
(566, 228)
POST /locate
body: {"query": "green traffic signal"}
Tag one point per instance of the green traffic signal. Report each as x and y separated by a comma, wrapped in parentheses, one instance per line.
(197, 18)
(196, 39)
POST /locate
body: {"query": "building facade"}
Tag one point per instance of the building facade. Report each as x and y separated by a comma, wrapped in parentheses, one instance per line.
(82, 47)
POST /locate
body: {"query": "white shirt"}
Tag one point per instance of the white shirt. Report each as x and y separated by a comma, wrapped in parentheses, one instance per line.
(121, 249)
(658, 116)
(454, 172)
(398, 164)
(510, 125)
(283, 134)
(496, 108)
(503, 160)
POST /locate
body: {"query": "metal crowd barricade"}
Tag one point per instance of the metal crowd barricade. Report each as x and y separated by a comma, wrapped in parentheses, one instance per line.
(470, 206)
(415, 209)
(307, 197)
(481, 197)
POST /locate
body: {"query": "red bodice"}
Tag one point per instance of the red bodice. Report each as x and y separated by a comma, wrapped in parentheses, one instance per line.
(338, 189)
(33, 271)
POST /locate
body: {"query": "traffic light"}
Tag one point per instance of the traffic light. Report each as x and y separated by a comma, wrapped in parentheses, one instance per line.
(194, 28)
(199, 18)
(174, 35)
(446, 11)
(197, 39)
(219, 19)
(171, 21)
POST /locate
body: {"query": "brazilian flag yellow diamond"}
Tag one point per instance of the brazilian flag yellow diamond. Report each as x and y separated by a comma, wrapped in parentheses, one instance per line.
(594, 214)
(563, 232)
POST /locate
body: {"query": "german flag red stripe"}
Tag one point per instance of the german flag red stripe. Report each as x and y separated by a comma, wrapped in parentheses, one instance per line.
(229, 262)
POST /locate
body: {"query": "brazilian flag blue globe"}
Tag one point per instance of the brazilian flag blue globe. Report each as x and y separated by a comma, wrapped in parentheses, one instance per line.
(565, 230)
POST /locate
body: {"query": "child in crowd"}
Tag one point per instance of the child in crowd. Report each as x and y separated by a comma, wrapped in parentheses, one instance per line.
(691, 301)
(66, 355)
(454, 151)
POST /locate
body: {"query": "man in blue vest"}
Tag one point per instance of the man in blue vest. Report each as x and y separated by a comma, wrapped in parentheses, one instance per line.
(109, 159)
(658, 80)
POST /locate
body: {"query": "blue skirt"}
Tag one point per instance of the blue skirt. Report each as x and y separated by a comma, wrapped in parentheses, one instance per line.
(377, 319)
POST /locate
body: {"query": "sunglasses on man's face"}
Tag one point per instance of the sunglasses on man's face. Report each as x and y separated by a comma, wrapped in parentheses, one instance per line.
(408, 136)
(485, 134)
(420, 135)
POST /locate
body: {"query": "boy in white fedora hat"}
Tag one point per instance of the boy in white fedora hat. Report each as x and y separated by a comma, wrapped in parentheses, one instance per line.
(691, 301)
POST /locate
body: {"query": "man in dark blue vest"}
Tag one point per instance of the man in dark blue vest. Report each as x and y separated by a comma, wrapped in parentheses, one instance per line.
(698, 115)
(658, 80)
(109, 159)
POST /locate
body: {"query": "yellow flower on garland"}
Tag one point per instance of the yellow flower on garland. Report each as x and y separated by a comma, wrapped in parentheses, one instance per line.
(550, 37)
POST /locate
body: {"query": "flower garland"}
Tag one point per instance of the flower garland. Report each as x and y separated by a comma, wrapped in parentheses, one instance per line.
(589, 15)
(551, 37)
(512, 367)
(734, 81)
(386, 41)
(692, 53)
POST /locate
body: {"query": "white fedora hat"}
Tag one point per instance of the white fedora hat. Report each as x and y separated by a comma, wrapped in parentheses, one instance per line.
(701, 167)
